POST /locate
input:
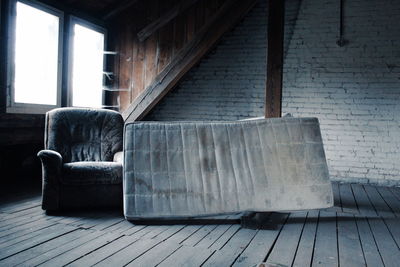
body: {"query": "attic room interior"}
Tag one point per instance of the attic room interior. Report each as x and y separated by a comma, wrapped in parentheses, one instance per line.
(200, 133)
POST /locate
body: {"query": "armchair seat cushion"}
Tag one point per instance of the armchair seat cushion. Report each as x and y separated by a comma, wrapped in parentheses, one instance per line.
(91, 172)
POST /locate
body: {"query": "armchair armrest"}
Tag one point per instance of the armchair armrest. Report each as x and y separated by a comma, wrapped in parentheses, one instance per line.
(119, 157)
(51, 171)
(50, 158)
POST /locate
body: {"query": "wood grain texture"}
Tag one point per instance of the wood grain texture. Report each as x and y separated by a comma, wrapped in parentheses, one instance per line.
(306, 244)
(273, 92)
(226, 17)
(165, 17)
(284, 250)
(325, 249)
(21, 129)
(117, 8)
(165, 37)
(125, 66)
(365, 233)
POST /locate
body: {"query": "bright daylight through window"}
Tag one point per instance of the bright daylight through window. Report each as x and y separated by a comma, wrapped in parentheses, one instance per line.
(87, 67)
(36, 56)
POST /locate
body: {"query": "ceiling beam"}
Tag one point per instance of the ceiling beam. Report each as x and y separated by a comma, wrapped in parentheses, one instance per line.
(273, 90)
(225, 19)
(164, 19)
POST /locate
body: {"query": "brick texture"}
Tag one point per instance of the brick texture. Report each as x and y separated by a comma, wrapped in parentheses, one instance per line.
(354, 90)
(229, 82)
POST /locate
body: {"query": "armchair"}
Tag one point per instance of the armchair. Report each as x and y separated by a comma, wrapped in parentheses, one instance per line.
(81, 163)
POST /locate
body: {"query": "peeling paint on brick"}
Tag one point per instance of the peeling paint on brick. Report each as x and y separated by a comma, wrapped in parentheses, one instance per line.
(354, 90)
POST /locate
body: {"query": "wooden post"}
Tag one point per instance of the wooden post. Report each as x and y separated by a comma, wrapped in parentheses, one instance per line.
(273, 91)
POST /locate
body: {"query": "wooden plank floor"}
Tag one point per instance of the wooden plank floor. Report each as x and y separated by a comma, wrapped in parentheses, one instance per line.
(362, 229)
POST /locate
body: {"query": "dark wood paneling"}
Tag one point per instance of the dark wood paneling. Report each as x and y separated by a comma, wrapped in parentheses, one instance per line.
(151, 45)
(21, 121)
(166, 15)
(140, 62)
(125, 64)
(179, 35)
(118, 8)
(96, 8)
(222, 21)
(166, 39)
(21, 138)
(19, 129)
(190, 23)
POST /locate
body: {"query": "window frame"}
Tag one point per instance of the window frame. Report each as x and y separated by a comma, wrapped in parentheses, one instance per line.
(15, 107)
(72, 21)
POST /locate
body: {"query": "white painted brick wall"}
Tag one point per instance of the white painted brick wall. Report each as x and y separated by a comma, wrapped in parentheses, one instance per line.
(228, 83)
(354, 90)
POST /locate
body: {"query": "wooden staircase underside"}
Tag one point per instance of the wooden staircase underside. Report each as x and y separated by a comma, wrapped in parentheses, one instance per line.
(230, 13)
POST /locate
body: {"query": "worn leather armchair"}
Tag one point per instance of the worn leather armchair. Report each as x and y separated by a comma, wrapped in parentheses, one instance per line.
(82, 160)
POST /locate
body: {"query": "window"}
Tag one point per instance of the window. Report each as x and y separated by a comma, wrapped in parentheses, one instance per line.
(35, 60)
(35, 70)
(87, 65)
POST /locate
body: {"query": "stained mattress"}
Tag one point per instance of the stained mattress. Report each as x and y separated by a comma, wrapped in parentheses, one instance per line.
(187, 169)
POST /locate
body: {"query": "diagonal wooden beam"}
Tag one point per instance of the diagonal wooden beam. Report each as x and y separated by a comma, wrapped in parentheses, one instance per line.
(225, 19)
(273, 91)
(119, 8)
(164, 19)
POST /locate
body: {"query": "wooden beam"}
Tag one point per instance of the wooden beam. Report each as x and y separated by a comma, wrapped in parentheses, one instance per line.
(273, 91)
(164, 19)
(223, 20)
(119, 8)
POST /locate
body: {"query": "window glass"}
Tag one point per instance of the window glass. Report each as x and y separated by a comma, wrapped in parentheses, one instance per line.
(36, 56)
(87, 67)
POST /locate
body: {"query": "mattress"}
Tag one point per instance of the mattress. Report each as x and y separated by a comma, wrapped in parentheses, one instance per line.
(190, 169)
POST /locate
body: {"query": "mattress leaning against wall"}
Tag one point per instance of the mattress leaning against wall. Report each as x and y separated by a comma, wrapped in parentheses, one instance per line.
(187, 169)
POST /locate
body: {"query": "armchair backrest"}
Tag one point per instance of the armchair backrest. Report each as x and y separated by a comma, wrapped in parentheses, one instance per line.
(83, 134)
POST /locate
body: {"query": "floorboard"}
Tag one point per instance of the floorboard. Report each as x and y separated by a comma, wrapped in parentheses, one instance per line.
(285, 247)
(347, 199)
(262, 243)
(363, 228)
(306, 245)
(46, 235)
(64, 248)
(349, 247)
(232, 249)
(188, 256)
(369, 247)
(387, 247)
(156, 256)
(223, 239)
(43, 248)
(104, 252)
(80, 251)
(325, 249)
(211, 238)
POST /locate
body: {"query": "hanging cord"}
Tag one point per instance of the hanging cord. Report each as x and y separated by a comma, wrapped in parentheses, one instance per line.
(341, 41)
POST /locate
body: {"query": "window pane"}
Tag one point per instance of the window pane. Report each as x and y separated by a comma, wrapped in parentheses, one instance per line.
(87, 73)
(36, 56)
